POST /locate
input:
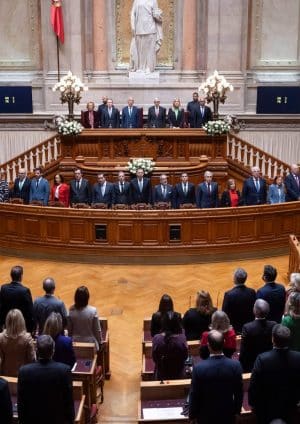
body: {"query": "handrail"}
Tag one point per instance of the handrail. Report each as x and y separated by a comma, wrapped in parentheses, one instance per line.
(40, 155)
(248, 155)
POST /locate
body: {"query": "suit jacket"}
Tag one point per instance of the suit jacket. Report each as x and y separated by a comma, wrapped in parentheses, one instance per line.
(5, 403)
(45, 393)
(292, 188)
(24, 193)
(100, 111)
(274, 389)
(250, 194)
(158, 121)
(201, 119)
(63, 194)
(256, 339)
(42, 308)
(179, 122)
(274, 294)
(159, 197)
(84, 326)
(85, 121)
(226, 201)
(64, 351)
(130, 121)
(140, 197)
(121, 197)
(83, 195)
(112, 121)
(16, 296)
(206, 199)
(40, 192)
(97, 196)
(192, 108)
(182, 198)
(216, 390)
(276, 194)
(238, 304)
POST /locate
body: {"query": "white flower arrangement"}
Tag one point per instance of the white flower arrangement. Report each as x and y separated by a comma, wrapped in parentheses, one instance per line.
(216, 127)
(215, 86)
(146, 164)
(70, 86)
(69, 128)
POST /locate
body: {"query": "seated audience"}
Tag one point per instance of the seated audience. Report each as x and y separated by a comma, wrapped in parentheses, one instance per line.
(254, 189)
(39, 188)
(102, 191)
(21, 188)
(276, 193)
(64, 351)
(110, 116)
(165, 305)
(239, 301)
(207, 192)
(90, 118)
(44, 305)
(156, 115)
(130, 115)
(256, 335)
(292, 184)
(4, 190)
(80, 189)
(163, 192)
(231, 197)
(219, 322)
(121, 190)
(5, 403)
(83, 320)
(197, 320)
(184, 192)
(176, 115)
(292, 320)
(273, 293)
(16, 345)
(170, 350)
(45, 393)
(60, 191)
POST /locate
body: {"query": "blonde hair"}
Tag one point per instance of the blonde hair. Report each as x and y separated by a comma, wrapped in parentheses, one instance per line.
(204, 302)
(14, 323)
(53, 325)
(220, 322)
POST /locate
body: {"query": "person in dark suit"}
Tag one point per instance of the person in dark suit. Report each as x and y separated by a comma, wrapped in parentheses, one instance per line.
(102, 191)
(163, 192)
(176, 115)
(256, 335)
(5, 403)
(80, 189)
(16, 296)
(184, 191)
(130, 115)
(231, 197)
(238, 302)
(39, 188)
(90, 118)
(110, 117)
(217, 388)
(292, 184)
(140, 188)
(207, 192)
(121, 190)
(21, 188)
(45, 392)
(273, 293)
(156, 115)
(102, 107)
(193, 109)
(254, 189)
(202, 115)
(274, 389)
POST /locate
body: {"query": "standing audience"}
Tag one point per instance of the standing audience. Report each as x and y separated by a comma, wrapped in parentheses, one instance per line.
(276, 193)
(165, 305)
(39, 188)
(292, 320)
(292, 184)
(231, 197)
(4, 190)
(21, 188)
(254, 189)
(60, 191)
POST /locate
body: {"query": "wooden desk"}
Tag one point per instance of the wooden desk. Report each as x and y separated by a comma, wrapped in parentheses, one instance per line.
(86, 361)
(106, 348)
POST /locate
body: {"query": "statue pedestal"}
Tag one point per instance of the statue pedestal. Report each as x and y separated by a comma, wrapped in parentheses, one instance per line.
(140, 77)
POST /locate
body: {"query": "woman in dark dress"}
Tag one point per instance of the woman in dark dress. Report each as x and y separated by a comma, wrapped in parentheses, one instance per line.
(197, 320)
(231, 197)
(165, 305)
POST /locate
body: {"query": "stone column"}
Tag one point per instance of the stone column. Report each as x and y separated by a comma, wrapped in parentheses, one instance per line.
(100, 33)
(189, 39)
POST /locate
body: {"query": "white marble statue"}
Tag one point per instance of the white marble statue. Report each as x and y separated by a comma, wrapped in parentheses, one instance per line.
(146, 25)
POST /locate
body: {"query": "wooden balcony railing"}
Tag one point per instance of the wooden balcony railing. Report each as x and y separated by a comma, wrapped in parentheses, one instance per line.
(248, 155)
(41, 155)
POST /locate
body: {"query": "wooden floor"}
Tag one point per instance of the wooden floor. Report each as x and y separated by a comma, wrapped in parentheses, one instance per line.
(127, 294)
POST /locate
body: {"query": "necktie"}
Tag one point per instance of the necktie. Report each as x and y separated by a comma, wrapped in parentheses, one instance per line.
(164, 192)
(37, 183)
(257, 184)
(176, 113)
(21, 184)
(208, 188)
(185, 188)
(121, 187)
(77, 185)
(141, 185)
(130, 111)
(297, 180)
(202, 111)
(102, 190)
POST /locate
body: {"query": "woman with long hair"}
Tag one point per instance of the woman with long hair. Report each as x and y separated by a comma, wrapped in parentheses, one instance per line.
(231, 197)
(292, 320)
(165, 305)
(60, 191)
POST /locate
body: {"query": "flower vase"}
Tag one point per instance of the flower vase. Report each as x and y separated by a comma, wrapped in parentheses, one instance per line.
(71, 109)
(216, 108)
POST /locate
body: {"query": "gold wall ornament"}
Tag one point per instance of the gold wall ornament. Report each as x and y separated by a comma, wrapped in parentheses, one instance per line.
(165, 58)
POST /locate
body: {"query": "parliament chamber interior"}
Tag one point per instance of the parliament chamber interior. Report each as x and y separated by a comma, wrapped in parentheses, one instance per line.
(149, 160)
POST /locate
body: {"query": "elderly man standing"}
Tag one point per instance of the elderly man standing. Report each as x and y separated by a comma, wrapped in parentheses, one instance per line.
(21, 188)
(292, 184)
(255, 189)
(207, 192)
(156, 115)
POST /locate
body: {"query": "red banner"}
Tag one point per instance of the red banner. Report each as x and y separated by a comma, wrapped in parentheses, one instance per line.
(57, 21)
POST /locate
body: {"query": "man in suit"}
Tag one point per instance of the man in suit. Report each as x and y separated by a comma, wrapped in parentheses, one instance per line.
(239, 301)
(274, 389)
(217, 388)
(6, 412)
(184, 191)
(163, 192)
(39, 188)
(193, 108)
(21, 188)
(121, 190)
(45, 393)
(292, 184)
(90, 118)
(110, 117)
(80, 189)
(102, 107)
(273, 293)
(207, 192)
(254, 189)
(140, 188)
(156, 115)
(256, 335)
(102, 191)
(16, 296)
(202, 115)
(130, 115)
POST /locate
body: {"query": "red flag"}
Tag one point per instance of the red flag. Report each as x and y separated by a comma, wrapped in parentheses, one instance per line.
(57, 21)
